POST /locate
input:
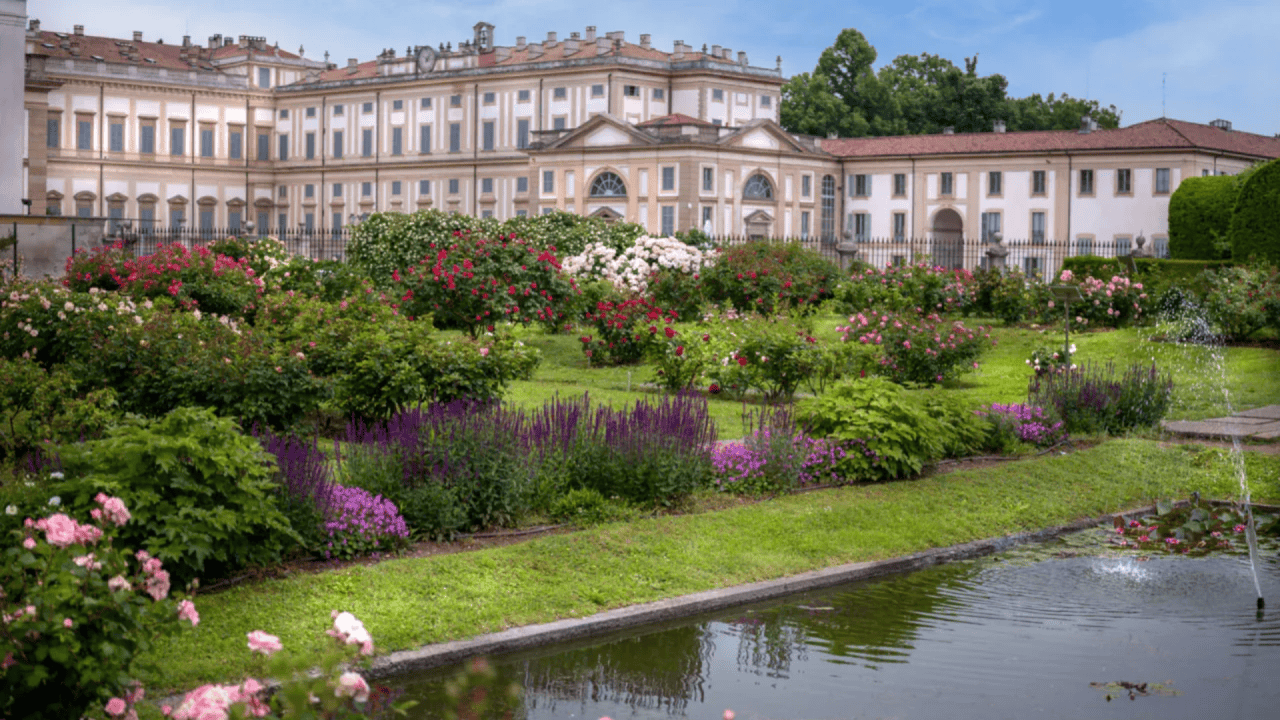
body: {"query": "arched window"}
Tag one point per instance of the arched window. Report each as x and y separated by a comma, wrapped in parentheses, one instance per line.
(758, 187)
(608, 184)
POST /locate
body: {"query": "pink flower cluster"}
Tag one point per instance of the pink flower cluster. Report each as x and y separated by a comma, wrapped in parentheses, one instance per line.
(60, 531)
(213, 702)
(351, 631)
(264, 643)
(157, 582)
(123, 707)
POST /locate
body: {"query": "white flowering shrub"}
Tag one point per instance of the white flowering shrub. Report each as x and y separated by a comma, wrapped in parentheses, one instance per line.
(631, 269)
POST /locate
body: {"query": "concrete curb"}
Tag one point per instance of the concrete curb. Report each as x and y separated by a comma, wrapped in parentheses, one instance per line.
(610, 621)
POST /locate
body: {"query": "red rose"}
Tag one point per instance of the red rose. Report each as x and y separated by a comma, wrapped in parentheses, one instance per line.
(679, 350)
(742, 361)
(670, 332)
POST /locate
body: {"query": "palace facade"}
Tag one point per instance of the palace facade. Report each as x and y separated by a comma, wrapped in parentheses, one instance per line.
(238, 130)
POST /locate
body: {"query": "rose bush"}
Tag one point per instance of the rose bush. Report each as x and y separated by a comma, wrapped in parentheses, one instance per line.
(918, 348)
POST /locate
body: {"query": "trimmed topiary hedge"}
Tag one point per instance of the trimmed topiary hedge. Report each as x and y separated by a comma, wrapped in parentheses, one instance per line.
(1200, 216)
(1255, 222)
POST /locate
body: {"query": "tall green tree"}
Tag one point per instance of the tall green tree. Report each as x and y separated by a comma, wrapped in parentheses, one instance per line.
(1061, 112)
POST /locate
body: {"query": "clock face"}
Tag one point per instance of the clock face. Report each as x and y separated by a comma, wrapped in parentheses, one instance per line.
(426, 59)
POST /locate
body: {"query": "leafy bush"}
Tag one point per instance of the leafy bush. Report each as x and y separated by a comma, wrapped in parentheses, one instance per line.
(773, 356)
(200, 491)
(1093, 399)
(921, 348)
(1107, 303)
(1017, 423)
(387, 242)
(763, 277)
(631, 269)
(919, 287)
(474, 281)
(1044, 360)
(78, 609)
(39, 406)
(1200, 217)
(359, 523)
(1255, 220)
(585, 507)
(263, 254)
(569, 233)
(1240, 300)
(888, 432)
(329, 280)
(1008, 295)
(775, 456)
(623, 330)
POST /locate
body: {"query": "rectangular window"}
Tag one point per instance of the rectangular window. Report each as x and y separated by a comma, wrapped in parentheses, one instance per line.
(337, 190)
(264, 146)
(1162, 180)
(396, 187)
(53, 129)
(424, 138)
(717, 95)
(282, 191)
(397, 141)
(282, 221)
(282, 142)
(659, 93)
(453, 186)
(990, 226)
(899, 226)
(548, 181)
(804, 224)
(1037, 182)
(235, 144)
(559, 94)
(424, 187)
(522, 184)
(708, 179)
(425, 103)
(309, 191)
(335, 223)
(311, 146)
(233, 221)
(366, 108)
(147, 137)
(455, 101)
(862, 185)
(366, 189)
(487, 129)
(668, 178)
(862, 226)
(397, 104)
(146, 217)
(557, 123)
(706, 219)
(309, 221)
(522, 213)
(206, 141)
(766, 101)
(1122, 245)
(337, 144)
(946, 185)
(522, 96)
(995, 183)
(284, 114)
(486, 186)
(1031, 266)
(522, 133)
(1084, 245)
(806, 186)
(899, 184)
(668, 220)
(178, 140)
(311, 111)
(455, 137)
(597, 90)
(631, 90)
(264, 77)
(490, 98)
(264, 222)
(115, 135)
(176, 217)
(84, 133)
(1037, 228)
(1086, 182)
(338, 109)
(206, 223)
(366, 142)
(1124, 181)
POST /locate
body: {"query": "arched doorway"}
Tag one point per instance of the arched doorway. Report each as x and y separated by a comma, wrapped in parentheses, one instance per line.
(948, 239)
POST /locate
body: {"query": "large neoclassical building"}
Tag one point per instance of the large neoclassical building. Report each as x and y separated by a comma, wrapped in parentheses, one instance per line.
(237, 129)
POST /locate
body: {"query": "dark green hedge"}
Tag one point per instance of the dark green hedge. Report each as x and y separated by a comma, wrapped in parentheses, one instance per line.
(1200, 216)
(1255, 223)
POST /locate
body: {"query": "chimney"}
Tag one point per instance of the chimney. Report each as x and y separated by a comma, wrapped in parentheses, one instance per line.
(79, 30)
(214, 41)
(137, 36)
(591, 34)
(501, 53)
(949, 130)
(742, 57)
(75, 47)
(997, 126)
(715, 51)
(644, 40)
(617, 35)
(1087, 125)
(186, 41)
(353, 64)
(551, 39)
(602, 45)
(1222, 124)
(726, 54)
(35, 25)
(678, 52)
(571, 45)
(227, 41)
(535, 50)
(520, 42)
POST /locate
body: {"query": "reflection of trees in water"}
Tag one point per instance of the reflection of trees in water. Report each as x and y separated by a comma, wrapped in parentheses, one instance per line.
(876, 621)
(659, 671)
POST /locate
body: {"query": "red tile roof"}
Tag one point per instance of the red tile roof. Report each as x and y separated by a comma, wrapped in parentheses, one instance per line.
(673, 120)
(588, 50)
(1156, 134)
(164, 55)
(365, 69)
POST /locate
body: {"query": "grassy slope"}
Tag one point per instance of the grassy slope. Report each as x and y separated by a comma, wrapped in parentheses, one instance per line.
(408, 603)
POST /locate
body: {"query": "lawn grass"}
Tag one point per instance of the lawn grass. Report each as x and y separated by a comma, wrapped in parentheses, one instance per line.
(407, 603)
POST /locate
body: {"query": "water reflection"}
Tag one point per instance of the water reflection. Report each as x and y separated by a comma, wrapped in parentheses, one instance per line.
(985, 638)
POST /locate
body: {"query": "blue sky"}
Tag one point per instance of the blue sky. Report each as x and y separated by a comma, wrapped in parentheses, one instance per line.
(1216, 60)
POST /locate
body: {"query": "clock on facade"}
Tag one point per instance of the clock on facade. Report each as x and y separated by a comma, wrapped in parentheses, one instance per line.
(426, 59)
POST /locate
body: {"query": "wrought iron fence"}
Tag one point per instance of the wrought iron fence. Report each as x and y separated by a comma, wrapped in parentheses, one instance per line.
(317, 244)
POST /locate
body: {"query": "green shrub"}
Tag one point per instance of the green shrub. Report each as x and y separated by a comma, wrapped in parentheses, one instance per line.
(1255, 221)
(1008, 295)
(39, 406)
(1240, 300)
(623, 330)
(918, 348)
(386, 242)
(201, 492)
(763, 277)
(919, 287)
(328, 280)
(889, 432)
(1092, 398)
(585, 507)
(770, 355)
(1200, 217)
(569, 233)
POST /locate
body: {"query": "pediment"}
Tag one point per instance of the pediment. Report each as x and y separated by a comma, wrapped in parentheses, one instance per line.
(605, 136)
(603, 130)
(759, 216)
(764, 135)
(759, 140)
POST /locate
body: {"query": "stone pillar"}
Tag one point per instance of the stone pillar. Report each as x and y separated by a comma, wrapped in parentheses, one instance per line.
(847, 250)
(997, 254)
(13, 127)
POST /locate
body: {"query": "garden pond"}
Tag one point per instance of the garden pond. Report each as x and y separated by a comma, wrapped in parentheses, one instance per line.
(1071, 628)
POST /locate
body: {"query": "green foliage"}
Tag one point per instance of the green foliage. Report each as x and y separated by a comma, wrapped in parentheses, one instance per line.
(917, 347)
(586, 507)
(764, 277)
(201, 492)
(1240, 301)
(889, 432)
(1255, 220)
(76, 616)
(262, 254)
(568, 233)
(1008, 295)
(919, 287)
(1200, 216)
(38, 406)
(773, 356)
(1092, 399)
(623, 330)
(328, 280)
(386, 242)
(1156, 274)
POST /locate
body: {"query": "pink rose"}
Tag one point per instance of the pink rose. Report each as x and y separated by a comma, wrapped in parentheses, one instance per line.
(115, 706)
(29, 543)
(59, 530)
(351, 685)
(187, 611)
(118, 583)
(264, 643)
